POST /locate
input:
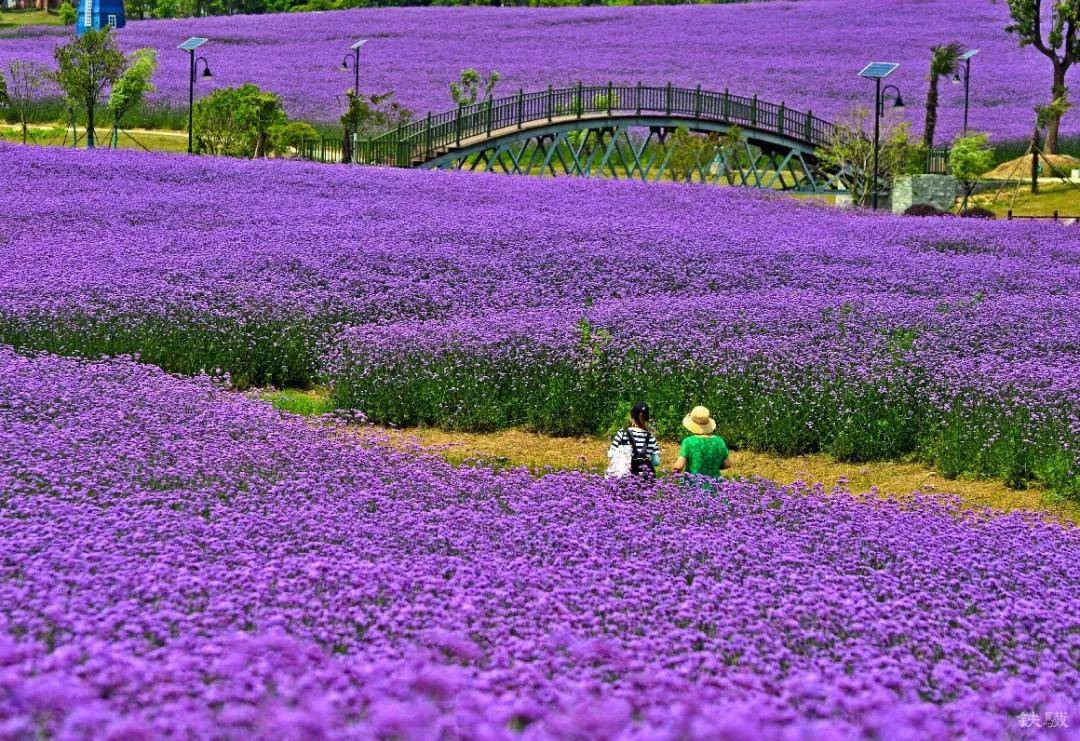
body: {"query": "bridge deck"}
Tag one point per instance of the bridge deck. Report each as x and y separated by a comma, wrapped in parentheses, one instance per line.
(647, 119)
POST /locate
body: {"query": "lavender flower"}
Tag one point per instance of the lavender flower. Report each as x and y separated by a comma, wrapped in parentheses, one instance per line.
(178, 560)
(805, 53)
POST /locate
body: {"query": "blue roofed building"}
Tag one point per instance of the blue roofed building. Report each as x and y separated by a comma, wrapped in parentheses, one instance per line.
(99, 14)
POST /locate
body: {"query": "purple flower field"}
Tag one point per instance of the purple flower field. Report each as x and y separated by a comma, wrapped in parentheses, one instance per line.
(482, 302)
(179, 561)
(804, 53)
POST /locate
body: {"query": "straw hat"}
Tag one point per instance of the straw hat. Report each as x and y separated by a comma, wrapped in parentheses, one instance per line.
(699, 422)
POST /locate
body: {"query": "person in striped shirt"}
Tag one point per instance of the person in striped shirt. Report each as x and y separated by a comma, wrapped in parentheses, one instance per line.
(634, 449)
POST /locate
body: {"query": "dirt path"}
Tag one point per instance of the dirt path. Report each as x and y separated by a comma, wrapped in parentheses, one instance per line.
(517, 447)
(539, 452)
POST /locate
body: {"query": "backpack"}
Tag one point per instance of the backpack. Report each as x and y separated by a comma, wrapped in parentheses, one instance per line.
(640, 461)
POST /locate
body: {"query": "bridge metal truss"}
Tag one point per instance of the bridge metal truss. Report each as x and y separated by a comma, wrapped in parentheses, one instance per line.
(633, 147)
(608, 131)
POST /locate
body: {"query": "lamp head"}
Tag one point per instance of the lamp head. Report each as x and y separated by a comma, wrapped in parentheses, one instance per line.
(899, 104)
(956, 78)
(206, 71)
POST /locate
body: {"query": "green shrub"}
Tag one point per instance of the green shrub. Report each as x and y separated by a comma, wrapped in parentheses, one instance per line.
(67, 14)
(253, 348)
(286, 140)
(924, 209)
(237, 121)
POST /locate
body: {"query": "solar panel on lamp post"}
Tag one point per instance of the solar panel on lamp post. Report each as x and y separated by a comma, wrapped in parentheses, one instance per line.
(190, 46)
(878, 71)
(354, 57)
(966, 58)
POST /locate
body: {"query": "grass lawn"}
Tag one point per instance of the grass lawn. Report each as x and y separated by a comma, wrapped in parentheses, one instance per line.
(13, 18)
(517, 447)
(1060, 197)
(307, 403)
(58, 135)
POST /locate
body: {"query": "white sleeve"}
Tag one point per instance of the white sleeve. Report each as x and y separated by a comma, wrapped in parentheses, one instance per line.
(616, 442)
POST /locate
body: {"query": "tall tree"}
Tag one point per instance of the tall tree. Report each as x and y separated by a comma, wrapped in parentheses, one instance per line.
(730, 145)
(1060, 44)
(265, 112)
(27, 81)
(1043, 115)
(689, 153)
(851, 151)
(466, 90)
(362, 116)
(944, 61)
(137, 8)
(368, 115)
(87, 67)
(132, 87)
(969, 158)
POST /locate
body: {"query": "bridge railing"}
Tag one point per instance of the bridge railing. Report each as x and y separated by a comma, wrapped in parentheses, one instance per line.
(936, 161)
(435, 134)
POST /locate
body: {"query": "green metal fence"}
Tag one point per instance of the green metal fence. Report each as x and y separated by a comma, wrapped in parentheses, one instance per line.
(435, 134)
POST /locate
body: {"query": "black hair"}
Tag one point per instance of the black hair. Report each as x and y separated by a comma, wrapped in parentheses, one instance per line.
(640, 414)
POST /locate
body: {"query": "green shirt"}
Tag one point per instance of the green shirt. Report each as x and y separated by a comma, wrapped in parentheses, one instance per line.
(705, 455)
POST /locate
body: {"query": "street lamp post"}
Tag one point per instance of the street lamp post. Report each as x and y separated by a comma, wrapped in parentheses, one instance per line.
(353, 58)
(966, 78)
(878, 71)
(190, 46)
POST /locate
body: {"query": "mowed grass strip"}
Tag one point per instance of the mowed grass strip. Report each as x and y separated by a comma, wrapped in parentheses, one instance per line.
(540, 453)
(60, 135)
(28, 17)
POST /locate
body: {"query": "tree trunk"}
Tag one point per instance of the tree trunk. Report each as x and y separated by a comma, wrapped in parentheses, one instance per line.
(90, 127)
(114, 135)
(1035, 161)
(1054, 121)
(25, 130)
(346, 147)
(931, 112)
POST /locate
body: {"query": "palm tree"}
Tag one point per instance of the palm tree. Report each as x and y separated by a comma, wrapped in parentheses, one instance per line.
(944, 61)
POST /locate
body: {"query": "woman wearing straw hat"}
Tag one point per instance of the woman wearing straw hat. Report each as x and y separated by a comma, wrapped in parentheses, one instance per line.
(702, 453)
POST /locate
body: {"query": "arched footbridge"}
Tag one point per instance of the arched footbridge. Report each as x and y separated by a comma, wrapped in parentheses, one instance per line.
(621, 131)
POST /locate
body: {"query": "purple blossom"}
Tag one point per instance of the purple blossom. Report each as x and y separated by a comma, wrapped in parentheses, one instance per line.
(806, 54)
(180, 560)
(483, 302)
